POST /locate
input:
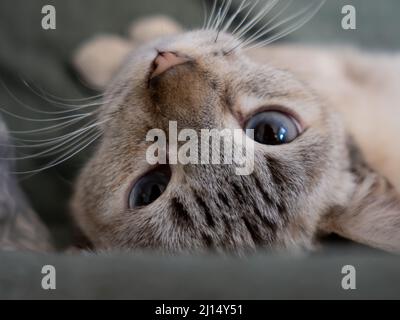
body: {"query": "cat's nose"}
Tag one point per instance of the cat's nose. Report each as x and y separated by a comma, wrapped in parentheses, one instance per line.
(166, 60)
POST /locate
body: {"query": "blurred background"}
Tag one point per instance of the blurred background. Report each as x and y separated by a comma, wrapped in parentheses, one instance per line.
(43, 59)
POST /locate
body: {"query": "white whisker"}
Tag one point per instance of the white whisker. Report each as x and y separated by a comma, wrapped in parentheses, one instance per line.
(245, 17)
(47, 142)
(205, 14)
(64, 157)
(60, 99)
(211, 18)
(223, 17)
(224, 14)
(44, 120)
(48, 151)
(70, 107)
(217, 17)
(264, 30)
(290, 29)
(51, 128)
(69, 146)
(264, 11)
(26, 106)
(243, 5)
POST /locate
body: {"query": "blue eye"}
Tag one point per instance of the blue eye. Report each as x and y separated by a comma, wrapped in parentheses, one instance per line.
(273, 128)
(150, 187)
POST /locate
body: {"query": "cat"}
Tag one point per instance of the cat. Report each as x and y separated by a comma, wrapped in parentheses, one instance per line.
(337, 175)
(328, 171)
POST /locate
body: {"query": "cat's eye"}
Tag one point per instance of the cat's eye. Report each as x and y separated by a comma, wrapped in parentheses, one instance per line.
(149, 187)
(273, 128)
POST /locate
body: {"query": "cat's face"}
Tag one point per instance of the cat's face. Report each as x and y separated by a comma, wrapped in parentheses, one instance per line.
(279, 205)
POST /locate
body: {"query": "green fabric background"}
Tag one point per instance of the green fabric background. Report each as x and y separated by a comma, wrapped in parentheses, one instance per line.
(150, 277)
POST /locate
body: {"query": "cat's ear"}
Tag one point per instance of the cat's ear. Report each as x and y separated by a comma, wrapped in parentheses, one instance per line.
(99, 59)
(372, 216)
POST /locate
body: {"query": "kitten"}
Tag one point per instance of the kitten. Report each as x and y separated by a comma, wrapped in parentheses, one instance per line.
(322, 165)
(318, 181)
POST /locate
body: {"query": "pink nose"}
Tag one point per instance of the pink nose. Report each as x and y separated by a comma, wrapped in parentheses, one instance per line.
(165, 61)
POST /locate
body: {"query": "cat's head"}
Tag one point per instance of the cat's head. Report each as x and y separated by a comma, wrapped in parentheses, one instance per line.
(306, 169)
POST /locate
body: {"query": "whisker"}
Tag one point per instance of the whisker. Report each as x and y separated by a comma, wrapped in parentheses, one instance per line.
(225, 13)
(95, 97)
(264, 11)
(44, 120)
(214, 7)
(217, 17)
(51, 128)
(205, 14)
(308, 16)
(71, 107)
(38, 144)
(264, 30)
(26, 106)
(223, 17)
(63, 158)
(69, 146)
(48, 151)
(239, 26)
(243, 5)
(245, 17)
(46, 142)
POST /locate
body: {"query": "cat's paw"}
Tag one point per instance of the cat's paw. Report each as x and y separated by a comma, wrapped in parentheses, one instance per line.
(98, 59)
(152, 28)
